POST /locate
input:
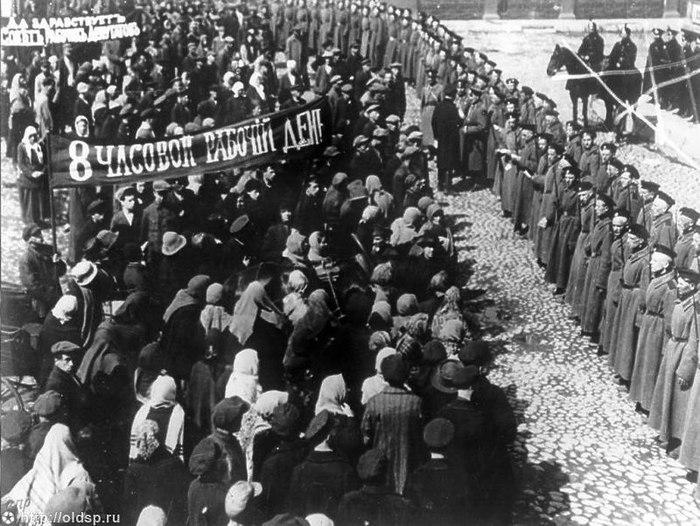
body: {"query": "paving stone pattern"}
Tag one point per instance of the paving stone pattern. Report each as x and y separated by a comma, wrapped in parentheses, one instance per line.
(584, 456)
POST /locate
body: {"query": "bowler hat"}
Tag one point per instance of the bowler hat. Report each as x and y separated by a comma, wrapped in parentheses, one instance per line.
(373, 466)
(475, 353)
(228, 413)
(15, 425)
(319, 427)
(30, 231)
(285, 419)
(48, 403)
(204, 457)
(172, 243)
(394, 369)
(438, 434)
(444, 375)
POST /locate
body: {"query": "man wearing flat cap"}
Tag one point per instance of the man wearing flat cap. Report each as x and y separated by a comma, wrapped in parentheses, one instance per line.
(321, 480)
(64, 380)
(374, 502)
(39, 271)
(439, 488)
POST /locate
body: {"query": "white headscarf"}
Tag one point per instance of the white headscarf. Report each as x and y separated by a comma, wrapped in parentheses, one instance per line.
(376, 384)
(55, 468)
(243, 381)
(331, 396)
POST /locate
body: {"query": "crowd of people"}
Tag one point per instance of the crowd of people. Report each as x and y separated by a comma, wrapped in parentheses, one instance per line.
(282, 345)
(288, 344)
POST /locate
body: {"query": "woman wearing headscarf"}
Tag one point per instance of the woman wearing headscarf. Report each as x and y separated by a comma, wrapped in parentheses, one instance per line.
(371, 217)
(257, 323)
(294, 303)
(59, 325)
(151, 363)
(21, 114)
(155, 477)
(334, 199)
(346, 430)
(406, 306)
(55, 468)
(163, 409)
(257, 95)
(265, 439)
(207, 493)
(100, 109)
(303, 358)
(405, 229)
(376, 384)
(31, 177)
(111, 359)
(214, 318)
(380, 197)
(317, 248)
(451, 335)
(183, 335)
(380, 318)
(449, 310)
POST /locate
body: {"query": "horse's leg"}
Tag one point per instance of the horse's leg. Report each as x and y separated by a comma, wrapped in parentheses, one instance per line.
(584, 101)
(574, 103)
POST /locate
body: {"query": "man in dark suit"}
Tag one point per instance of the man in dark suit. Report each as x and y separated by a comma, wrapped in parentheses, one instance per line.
(126, 222)
(63, 380)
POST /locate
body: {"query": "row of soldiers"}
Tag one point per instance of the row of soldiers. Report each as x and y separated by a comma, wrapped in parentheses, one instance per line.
(615, 252)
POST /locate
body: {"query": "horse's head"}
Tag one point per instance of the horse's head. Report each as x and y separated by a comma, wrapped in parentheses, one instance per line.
(556, 61)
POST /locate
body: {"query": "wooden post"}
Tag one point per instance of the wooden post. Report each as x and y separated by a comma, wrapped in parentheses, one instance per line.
(491, 10)
(671, 9)
(568, 10)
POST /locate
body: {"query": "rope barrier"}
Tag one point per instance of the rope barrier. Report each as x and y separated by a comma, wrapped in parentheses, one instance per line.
(630, 110)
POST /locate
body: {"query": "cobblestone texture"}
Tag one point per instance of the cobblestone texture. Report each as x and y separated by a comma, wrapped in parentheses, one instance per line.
(584, 455)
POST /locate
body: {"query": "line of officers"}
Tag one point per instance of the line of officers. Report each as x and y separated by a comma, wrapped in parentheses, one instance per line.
(625, 262)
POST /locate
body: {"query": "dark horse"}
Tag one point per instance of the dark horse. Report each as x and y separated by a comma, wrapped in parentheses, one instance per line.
(625, 85)
(582, 88)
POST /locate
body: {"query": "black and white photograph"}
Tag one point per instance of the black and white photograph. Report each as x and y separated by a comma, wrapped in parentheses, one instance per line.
(350, 262)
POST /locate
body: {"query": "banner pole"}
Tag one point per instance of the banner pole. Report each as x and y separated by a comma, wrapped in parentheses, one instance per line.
(52, 206)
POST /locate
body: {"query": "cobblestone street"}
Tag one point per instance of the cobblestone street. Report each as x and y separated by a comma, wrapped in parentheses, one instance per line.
(585, 456)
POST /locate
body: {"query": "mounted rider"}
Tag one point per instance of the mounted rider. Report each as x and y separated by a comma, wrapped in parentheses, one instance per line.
(593, 47)
(624, 52)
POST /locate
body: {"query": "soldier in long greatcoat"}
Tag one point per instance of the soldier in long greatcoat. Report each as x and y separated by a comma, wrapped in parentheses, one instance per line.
(653, 73)
(663, 228)
(618, 254)
(655, 328)
(672, 391)
(565, 231)
(474, 136)
(579, 261)
(635, 279)
(685, 248)
(599, 262)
